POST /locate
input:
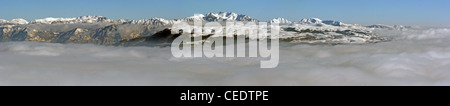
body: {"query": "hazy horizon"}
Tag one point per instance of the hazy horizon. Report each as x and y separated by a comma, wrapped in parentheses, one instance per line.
(406, 12)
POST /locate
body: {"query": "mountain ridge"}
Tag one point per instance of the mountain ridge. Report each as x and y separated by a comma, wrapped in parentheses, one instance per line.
(103, 31)
(209, 17)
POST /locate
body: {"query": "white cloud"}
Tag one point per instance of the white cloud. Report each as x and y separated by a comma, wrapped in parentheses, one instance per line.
(420, 59)
(430, 34)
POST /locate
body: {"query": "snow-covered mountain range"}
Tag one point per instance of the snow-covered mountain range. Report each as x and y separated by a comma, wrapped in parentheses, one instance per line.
(280, 21)
(210, 17)
(102, 30)
(82, 19)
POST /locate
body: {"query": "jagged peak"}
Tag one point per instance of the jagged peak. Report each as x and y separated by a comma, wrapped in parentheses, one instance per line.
(91, 17)
(162, 21)
(311, 21)
(227, 16)
(280, 20)
(220, 16)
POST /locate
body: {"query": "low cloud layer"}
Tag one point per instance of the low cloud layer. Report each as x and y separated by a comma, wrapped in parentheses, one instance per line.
(412, 58)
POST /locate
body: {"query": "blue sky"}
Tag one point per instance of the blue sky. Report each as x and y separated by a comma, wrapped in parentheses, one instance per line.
(409, 12)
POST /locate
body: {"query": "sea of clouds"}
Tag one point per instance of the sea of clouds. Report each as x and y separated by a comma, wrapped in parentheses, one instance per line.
(415, 57)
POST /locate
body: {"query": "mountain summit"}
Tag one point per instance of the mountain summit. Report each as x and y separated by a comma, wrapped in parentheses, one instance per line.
(221, 16)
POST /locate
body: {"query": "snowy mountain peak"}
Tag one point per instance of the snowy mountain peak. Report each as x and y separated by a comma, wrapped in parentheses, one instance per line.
(152, 21)
(280, 20)
(91, 17)
(230, 16)
(197, 17)
(321, 22)
(3, 21)
(221, 16)
(311, 21)
(18, 21)
(82, 19)
(161, 21)
(50, 20)
(334, 23)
